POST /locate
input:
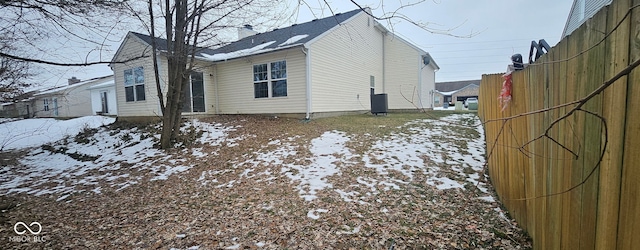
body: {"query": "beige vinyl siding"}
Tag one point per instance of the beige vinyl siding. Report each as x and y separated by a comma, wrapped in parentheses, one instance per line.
(207, 69)
(342, 62)
(401, 72)
(428, 85)
(132, 48)
(71, 102)
(235, 83)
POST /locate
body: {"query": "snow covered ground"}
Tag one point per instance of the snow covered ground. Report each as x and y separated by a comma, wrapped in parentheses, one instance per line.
(262, 183)
(427, 147)
(35, 132)
(64, 161)
(69, 164)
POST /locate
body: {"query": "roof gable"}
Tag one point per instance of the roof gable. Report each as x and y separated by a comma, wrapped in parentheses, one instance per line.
(282, 38)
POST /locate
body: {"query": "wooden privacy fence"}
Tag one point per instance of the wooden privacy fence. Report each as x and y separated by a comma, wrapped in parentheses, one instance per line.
(570, 174)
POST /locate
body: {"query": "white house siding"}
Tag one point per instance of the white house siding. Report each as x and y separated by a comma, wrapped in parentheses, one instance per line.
(235, 82)
(131, 48)
(73, 101)
(342, 62)
(582, 10)
(402, 73)
(428, 85)
(96, 100)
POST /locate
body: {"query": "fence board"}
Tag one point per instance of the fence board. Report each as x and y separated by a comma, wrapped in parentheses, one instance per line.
(604, 212)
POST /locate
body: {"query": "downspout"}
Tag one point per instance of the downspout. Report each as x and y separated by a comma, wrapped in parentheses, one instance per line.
(420, 68)
(384, 63)
(215, 88)
(307, 53)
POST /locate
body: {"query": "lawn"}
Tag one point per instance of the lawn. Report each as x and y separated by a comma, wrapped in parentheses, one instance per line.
(407, 181)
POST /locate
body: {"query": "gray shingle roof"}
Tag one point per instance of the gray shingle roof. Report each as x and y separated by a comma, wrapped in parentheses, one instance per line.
(268, 41)
(313, 29)
(456, 85)
(162, 43)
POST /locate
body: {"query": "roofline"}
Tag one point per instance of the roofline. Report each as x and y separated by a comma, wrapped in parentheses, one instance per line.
(126, 38)
(65, 87)
(458, 90)
(422, 52)
(261, 53)
(437, 67)
(566, 24)
(111, 84)
(308, 43)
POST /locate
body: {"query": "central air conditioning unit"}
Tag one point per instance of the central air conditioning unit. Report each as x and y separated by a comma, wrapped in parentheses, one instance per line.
(379, 104)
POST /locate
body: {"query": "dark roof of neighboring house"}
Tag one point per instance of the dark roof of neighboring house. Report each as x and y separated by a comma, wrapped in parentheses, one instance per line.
(455, 85)
(65, 87)
(268, 41)
(161, 43)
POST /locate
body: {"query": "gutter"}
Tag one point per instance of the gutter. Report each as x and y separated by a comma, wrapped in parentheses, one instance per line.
(307, 53)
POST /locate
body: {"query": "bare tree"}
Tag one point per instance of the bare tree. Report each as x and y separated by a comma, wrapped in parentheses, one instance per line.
(49, 29)
(189, 25)
(13, 73)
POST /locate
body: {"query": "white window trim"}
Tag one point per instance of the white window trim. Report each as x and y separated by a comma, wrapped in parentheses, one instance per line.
(134, 84)
(269, 81)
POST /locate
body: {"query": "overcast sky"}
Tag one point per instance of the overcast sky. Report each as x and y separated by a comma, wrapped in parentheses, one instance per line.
(499, 29)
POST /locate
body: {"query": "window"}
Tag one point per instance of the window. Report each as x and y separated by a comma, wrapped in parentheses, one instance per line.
(436, 99)
(134, 84)
(46, 104)
(193, 97)
(260, 83)
(270, 80)
(278, 79)
(372, 84)
(55, 106)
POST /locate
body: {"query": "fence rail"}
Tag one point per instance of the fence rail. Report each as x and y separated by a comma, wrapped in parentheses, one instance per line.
(571, 176)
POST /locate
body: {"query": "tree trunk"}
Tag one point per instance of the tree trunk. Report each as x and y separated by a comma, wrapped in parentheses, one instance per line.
(177, 67)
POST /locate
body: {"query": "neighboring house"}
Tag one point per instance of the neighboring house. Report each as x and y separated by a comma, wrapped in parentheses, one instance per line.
(581, 11)
(322, 67)
(103, 98)
(19, 106)
(73, 100)
(451, 92)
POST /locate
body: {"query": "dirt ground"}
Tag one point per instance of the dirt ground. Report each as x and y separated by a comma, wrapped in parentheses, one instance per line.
(354, 182)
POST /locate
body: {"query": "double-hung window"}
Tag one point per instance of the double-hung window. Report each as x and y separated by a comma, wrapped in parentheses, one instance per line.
(270, 79)
(134, 84)
(46, 104)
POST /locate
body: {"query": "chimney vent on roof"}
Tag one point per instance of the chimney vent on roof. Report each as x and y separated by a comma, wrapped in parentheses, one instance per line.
(245, 31)
(73, 80)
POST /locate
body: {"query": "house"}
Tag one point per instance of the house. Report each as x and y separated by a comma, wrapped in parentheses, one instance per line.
(450, 92)
(581, 11)
(72, 100)
(103, 98)
(323, 67)
(18, 106)
(21, 108)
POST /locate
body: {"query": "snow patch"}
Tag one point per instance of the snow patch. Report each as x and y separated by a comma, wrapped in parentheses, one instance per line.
(293, 39)
(313, 213)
